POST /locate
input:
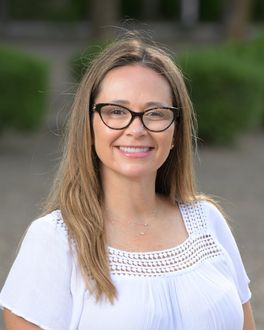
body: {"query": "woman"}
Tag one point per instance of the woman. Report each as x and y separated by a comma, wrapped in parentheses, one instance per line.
(126, 242)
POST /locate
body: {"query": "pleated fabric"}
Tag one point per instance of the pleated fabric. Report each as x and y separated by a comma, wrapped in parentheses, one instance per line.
(200, 284)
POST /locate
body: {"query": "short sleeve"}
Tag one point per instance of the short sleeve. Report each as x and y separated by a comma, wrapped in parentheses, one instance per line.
(38, 285)
(224, 236)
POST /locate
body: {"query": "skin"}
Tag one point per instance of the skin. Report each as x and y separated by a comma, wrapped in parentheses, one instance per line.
(129, 181)
(249, 322)
(137, 94)
(14, 322)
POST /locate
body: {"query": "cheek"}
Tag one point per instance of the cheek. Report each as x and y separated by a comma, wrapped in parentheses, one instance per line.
(98, 136)
(165, 142)
(169, 140)
(103, 139)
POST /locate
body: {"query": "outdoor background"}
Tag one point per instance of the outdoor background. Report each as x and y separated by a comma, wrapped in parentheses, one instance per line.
(45, 47)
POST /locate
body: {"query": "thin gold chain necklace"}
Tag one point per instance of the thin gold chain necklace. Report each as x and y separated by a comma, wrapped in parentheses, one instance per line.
(141, 228)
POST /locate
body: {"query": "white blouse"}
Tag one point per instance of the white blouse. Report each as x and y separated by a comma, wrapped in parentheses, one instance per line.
(200, 284)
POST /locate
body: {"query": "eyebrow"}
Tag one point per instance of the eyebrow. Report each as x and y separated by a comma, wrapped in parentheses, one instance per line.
(146, 105)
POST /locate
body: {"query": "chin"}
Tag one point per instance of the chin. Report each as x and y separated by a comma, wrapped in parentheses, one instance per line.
(138, 174)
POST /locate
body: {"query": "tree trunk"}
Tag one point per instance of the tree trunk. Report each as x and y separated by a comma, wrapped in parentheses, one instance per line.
(237, 17)
(150, 9)
(3, 16)
(189, 13)
(104, 18)
(3, 11)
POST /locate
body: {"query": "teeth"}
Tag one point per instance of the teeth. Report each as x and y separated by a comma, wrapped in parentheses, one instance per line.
(134, 149)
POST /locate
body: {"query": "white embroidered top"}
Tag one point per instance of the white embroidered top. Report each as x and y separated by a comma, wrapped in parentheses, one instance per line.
(200, 284)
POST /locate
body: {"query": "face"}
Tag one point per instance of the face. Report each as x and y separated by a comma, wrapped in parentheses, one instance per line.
(134, 151)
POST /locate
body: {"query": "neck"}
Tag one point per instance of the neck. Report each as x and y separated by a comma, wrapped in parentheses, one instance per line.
(127, 198)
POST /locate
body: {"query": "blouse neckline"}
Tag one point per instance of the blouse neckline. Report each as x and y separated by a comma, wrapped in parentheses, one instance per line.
(179, 246)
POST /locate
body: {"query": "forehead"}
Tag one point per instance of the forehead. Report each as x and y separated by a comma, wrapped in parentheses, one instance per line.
(134, 82)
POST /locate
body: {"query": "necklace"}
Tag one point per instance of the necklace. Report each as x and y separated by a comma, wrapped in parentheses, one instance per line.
(140, 228)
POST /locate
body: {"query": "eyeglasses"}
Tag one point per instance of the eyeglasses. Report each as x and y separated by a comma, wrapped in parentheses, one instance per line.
(118, 117)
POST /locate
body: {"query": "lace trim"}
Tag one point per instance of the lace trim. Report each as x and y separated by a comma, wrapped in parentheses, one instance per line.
(57, 217)
(193, 251)
(197, 248)
(194, 217)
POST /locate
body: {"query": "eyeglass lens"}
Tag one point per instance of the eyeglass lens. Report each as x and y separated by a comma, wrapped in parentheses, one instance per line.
(118, 117)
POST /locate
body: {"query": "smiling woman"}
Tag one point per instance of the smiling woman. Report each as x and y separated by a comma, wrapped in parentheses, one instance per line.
(138, 137)
(125, 241)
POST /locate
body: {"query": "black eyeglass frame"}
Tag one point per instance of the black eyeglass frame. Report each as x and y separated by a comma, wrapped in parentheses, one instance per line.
(176, 114)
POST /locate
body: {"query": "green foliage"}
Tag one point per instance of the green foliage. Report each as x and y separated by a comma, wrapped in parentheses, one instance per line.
(170, 9)
(81, 61)
(225, 85)
(23, 85)
(69, 10)
(131, 8)
(74, 10)
(252, 53)
(258, 10)
(251, 50)
(226, 93)
(211, 10)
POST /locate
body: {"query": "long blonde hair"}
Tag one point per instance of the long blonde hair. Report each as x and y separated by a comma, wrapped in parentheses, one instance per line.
(77, 189)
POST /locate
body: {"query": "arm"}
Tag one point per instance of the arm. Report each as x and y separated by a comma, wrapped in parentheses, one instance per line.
(14, 322)
(224, 235)
(249, 323)
(41, 273)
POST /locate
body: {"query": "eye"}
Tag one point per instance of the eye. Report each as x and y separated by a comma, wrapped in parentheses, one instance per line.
(114, 111)
(117, 112)
(156, 114)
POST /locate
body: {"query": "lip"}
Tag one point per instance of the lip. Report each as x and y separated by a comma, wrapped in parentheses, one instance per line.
(135, 151)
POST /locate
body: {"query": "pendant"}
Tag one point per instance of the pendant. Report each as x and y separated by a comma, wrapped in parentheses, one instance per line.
(146, 225)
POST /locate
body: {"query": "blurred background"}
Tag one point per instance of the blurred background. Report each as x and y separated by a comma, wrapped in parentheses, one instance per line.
(219, 45)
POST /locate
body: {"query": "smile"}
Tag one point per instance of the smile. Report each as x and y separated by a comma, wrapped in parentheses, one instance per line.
(134, 149)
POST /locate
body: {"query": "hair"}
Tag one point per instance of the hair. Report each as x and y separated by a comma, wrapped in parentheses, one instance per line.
(77, 189)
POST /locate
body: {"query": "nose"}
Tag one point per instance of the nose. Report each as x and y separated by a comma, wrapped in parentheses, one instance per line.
(136, 127)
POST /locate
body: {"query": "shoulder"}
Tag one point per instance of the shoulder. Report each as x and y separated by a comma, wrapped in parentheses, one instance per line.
(210, 212)
(219, 229)
(52, 219)
(46, 238)
(215, 218)
(49, 226)
(217, 226)
(203, 213)
(42, 273)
